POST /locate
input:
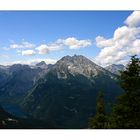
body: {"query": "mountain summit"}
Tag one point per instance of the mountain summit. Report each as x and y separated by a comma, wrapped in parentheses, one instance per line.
(41, 64)
(66, 96)
(77, 65)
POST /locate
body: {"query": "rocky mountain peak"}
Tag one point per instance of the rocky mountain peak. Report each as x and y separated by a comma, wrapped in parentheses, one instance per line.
(115, 68)
(76, 60)
(76, 64)
(41, 63)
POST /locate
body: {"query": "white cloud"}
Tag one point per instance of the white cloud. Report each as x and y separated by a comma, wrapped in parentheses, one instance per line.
(74, 43)
(126, 33)
(55, 47)
(101, 42)
(28, 53)
(22, 45)
(136, 43)
(135, 48)
(25, 47)
(45, 49)
(124, 42)
(60, 44)
(42, 49)
(134, 19)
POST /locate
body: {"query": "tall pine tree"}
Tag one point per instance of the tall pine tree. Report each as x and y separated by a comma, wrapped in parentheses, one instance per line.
(126, 113)
(100, 119)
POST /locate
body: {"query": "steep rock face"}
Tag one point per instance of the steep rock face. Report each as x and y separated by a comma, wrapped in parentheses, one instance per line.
(66, 96)
(114, 68)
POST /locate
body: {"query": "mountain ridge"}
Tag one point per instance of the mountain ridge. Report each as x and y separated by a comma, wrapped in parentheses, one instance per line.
(67, 96)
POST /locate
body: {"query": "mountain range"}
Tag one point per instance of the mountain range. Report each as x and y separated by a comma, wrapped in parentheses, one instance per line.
(63, 94)
(66, 95)
(17, 79)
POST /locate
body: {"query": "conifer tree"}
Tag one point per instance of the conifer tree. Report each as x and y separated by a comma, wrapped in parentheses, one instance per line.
(126, 113)
(100, 119)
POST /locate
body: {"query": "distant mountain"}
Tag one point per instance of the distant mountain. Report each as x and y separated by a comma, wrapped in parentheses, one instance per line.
(41, 64)
(16, 80)
(66, 95)
(115, 68)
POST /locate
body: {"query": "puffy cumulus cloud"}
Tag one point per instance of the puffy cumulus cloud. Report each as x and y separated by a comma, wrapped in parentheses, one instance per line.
(126, 33)
(28, 53)
(42, 49)
(45, 49)
(22, 45)
(133, 19)
(101, 42)
(135, 48)
(125, 42)
(136, 43)
(74, 43)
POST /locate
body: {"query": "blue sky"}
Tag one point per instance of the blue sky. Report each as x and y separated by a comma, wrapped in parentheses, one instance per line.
(32, 36)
